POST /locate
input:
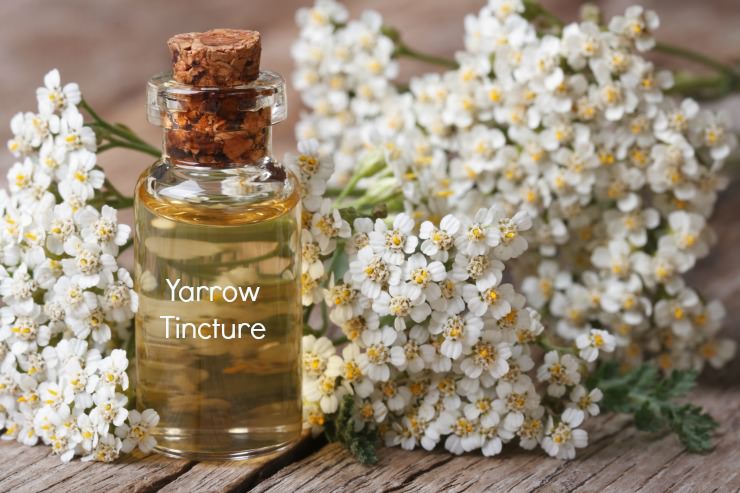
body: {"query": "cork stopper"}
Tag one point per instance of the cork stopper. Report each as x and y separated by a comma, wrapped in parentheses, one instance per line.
(216, 58)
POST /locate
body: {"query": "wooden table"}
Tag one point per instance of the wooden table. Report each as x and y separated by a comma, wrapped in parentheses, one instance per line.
(618, 458)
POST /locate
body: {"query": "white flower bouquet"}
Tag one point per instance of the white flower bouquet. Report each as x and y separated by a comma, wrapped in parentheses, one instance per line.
(490, 254)
(556, 149)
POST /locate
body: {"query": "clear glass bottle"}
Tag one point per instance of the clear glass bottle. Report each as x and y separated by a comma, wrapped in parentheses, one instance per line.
(218, 329)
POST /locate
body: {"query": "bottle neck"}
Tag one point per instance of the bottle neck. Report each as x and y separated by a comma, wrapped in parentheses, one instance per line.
(213, 149)
(217, 127)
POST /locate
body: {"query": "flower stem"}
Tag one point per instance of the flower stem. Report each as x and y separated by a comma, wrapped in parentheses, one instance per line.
(548, 346)
(534, 9)
(127, 245)
(111, 188)
(403, 50)
(136, 146)
(117, 135)
(349, 187)
(696, 57)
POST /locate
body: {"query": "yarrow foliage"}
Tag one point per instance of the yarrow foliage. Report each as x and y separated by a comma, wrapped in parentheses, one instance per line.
(67, 304)
(556, 147)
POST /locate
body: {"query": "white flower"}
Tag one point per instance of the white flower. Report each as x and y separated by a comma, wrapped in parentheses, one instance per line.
(459, 332)
(438, 241)
(423, 276)
(392, 244)
(401, 301)
(676, 312)
(119, 300)
(344, 301)
(53, 98)
(688, 233)
(89, 266)
(513, 400)
(487, 356)
(479, 234)
(636, 25)
(463, 436)
(567, 143)
(486, 296)
(549, 278)
(614, 258)
(137, 433)
(82, 178)
(372, 273)
(560, 372)
(106, 450)
(374, 361)
(586, 401)
(597, 340)
(561, 440)
(112, 369)
(103, 228)
(317, 354)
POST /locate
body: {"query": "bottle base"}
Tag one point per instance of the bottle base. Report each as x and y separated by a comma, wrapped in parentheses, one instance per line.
(239, 455)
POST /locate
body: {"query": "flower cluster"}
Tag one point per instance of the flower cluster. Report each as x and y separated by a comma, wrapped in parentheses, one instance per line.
(439, 348)
(66, 302)
(563, 139)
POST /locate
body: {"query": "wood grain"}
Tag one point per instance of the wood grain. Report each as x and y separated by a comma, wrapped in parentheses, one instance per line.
(32, 469)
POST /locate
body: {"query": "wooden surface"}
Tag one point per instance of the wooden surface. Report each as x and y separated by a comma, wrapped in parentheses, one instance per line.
(91, 42)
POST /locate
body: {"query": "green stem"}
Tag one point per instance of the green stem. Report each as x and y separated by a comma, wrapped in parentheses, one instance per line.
(116, 203)
(696, 57)
(548, 346)
(365, 202)
(112, 188)
(127, 245)
(534, 9)
(145, 148)
(341, 340)
(324, 319)
(349, 188)
(402, 50)
(113, 132)
(116, 129)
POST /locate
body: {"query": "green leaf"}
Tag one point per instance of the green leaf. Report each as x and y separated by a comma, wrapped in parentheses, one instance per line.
(651, 399)
(362, 444)
(694, 428)
(648, 419)
(678, 384)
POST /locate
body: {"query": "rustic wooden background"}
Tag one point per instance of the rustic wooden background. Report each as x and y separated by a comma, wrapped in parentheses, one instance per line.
(111, 47)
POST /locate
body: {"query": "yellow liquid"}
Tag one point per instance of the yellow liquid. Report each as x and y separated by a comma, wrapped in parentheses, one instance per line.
(219, 398)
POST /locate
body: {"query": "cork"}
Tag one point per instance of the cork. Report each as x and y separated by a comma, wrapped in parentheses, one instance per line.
(216, 58)
(211, 127)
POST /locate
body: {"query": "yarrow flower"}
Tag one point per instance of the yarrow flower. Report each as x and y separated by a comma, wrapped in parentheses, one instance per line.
(61, 378)
(562, 152)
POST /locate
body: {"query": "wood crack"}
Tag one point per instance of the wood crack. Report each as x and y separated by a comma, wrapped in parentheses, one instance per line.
(416, 474)
(157, 485)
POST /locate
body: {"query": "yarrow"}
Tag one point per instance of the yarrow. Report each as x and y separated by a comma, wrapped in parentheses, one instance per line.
(67, 304)
(557, 148)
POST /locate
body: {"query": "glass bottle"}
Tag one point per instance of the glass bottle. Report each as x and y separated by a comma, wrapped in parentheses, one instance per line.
(218, 329)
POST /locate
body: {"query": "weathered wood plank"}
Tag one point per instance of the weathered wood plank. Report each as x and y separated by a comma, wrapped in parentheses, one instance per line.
(333, 469)
(238, 476)
(33, 469)
(618, 459)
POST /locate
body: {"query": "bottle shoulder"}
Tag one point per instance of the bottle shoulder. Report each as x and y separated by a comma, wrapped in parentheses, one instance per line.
(220, 197)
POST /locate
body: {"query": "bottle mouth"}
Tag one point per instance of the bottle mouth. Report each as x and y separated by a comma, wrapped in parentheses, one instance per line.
(171, 104)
